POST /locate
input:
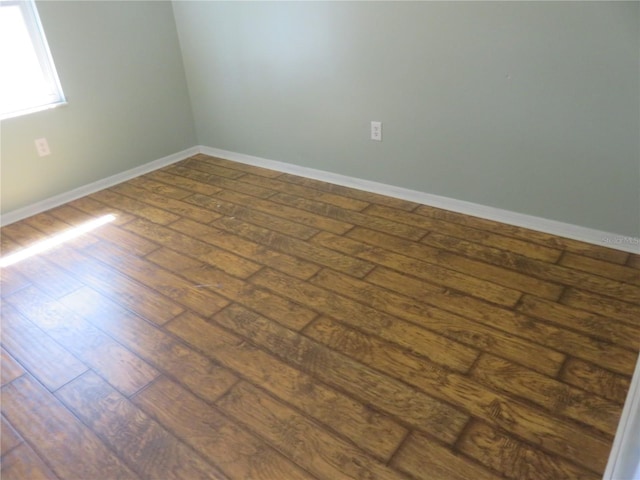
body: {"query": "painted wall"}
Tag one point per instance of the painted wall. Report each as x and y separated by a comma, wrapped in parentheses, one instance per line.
(121, 70)
(532, 107)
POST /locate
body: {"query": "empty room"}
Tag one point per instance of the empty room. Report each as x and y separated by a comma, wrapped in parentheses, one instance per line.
(320, 240)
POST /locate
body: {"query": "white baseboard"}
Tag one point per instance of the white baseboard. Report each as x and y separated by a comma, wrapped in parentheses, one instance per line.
(575, 232)
(93, 187)
(596, 237)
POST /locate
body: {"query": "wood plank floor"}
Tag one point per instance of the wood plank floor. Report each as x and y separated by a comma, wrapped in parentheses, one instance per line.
(236, 322)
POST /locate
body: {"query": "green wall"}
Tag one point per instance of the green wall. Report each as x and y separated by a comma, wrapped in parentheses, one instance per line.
(121, 70)
(532, 107)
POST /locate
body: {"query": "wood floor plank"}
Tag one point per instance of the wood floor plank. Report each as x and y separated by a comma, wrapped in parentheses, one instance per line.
(201, 173)
(595, 379)
(454, 327)
(289, 313)
(146, 447)
(424, 458)
(272, 222)
(306, 192)
(483, 237)
(498, 275)
(295, 247)
(135, 207)
(349, 192)
(22, 234)
(419, 340)
(435, 274)
(383, 392)
(542, 270)
(238, 320)
(23, 463)
(566, 341)
(70, 448)
(203, 251)
(91, 207)
(542, 238)
(589, 323)
(633, 261)
(172, 178)
(135, 296)
(9, 438)
(366, 428)
(554, 395)
(238, 453)
(294, 214)
(563, 437)
(176, 207)
(219, 167)
(238, 168)
(124, 370)
(617, 308)
(47, 276)
(351, 217)
(11, 280)
(515, 459)
(203, 377)
(53, 226)
(174, 287)
(160, 188)
(602, 268)
(36, 351)
(10, 368)
(316, 450)
(252, 250)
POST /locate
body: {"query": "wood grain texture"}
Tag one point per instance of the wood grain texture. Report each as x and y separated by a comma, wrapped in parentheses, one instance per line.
(383, 392)
(238, 453)
(426, 459)
(239, 322)
(9, 438)
(39, 417)
(208, 277)
(124, 370)
(363, 426)
(9, 367)
(23, 463)
(140, 441)
(516, 459)
(324, 455)
(417, 339)
(201, 375)
(454, 327)
(434, 274)
(594, 378)
(36, 351)
(556, 396)
(460, 263)
(439, 229)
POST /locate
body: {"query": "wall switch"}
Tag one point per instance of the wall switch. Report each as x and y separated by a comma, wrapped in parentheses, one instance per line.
(42, 146)
(376, 131)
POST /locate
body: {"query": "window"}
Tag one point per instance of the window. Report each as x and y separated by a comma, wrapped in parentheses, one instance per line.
(28, 81)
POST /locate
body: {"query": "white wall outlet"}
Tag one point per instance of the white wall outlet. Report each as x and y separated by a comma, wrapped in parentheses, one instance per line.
(376, 131)
(42, 147)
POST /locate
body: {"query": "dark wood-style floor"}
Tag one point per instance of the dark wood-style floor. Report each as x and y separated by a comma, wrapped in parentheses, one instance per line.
(236, 322)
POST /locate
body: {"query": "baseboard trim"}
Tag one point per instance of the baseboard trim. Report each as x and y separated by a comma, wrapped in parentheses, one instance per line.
(93, 187)
(575, 232)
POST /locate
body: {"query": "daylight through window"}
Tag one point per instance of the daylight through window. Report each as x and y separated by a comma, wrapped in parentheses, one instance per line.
(28, 78)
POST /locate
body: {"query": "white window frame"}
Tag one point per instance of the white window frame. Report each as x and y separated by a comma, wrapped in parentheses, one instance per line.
(54, 96)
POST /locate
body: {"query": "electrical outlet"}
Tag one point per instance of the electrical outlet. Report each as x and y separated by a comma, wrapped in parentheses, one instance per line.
(376, 131)
(42, 147)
